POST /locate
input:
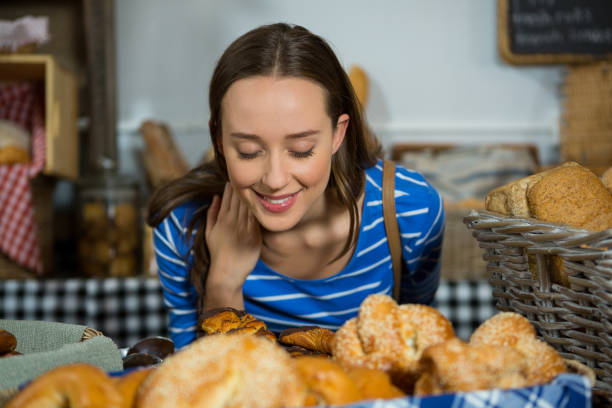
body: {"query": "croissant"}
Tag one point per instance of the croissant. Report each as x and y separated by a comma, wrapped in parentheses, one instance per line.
(313, 338)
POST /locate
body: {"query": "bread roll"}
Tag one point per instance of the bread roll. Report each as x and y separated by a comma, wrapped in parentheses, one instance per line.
(571, 195)
(511, 199)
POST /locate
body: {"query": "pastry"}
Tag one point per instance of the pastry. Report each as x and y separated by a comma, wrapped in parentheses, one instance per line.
(390, 337)
(326, 382)
(76, 385)
(455, 366)
(311, 337)
(511, 329)
(240, 370)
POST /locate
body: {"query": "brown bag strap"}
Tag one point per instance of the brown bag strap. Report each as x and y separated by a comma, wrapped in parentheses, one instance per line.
(390, 219)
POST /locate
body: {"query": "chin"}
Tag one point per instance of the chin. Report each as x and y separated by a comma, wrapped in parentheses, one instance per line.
(277, 225)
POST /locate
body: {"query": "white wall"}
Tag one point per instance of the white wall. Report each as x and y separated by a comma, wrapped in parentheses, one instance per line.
(434, 71)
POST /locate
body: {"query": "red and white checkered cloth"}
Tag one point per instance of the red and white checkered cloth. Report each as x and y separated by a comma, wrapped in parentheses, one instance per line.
(22, 103)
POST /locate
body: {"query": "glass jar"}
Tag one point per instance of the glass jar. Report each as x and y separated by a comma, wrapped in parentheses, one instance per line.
(109, 225)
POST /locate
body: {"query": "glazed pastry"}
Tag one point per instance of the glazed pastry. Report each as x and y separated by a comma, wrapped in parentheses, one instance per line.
(223, 319)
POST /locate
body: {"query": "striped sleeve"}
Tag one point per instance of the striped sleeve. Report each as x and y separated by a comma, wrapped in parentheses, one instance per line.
(420, 215)
(180, 297)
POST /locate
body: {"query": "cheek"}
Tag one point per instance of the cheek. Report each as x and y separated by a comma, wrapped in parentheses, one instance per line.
(241, 174)
(315, 173)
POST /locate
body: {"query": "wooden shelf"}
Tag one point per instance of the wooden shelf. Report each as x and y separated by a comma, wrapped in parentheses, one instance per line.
(61, 107)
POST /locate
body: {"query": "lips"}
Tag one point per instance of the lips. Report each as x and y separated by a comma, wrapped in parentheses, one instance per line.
(277, 204)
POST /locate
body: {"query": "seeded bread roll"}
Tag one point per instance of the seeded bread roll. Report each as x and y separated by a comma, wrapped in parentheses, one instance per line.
(511, 199)
(571, 195)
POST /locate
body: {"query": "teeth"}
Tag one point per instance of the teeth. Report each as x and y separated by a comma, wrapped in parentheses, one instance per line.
(277, 201)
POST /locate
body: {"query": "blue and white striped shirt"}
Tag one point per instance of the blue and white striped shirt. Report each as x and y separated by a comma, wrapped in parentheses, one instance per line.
(283, 302)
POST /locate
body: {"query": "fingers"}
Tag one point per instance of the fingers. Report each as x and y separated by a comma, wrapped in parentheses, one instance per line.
(226, 199)
(212, 213)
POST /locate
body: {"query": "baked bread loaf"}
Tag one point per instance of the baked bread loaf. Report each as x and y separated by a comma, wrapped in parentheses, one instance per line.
(543, 363)
(240, 370)
(76, 385)
(455, 366)
(572, 195)
(390, 337)
(511, 199)
(313, 338)
(569, 194)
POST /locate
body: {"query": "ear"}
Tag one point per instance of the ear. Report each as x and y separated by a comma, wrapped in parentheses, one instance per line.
(340, 131)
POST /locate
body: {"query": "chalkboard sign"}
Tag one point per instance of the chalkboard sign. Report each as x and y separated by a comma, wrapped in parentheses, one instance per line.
(554, 31)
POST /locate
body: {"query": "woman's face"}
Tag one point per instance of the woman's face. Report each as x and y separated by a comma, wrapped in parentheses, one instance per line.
(278, 143)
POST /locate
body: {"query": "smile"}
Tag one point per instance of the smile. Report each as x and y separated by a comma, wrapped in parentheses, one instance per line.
(277, 204)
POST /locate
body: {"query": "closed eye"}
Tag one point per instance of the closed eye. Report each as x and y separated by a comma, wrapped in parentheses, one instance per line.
(302, 155)
(247, 156)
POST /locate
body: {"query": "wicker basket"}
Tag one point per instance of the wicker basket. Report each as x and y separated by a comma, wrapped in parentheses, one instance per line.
(570, 305)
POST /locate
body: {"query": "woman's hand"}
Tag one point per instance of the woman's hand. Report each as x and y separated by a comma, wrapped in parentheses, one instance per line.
(233, 236)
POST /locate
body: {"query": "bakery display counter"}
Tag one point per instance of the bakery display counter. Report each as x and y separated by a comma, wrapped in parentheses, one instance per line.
(130, 309)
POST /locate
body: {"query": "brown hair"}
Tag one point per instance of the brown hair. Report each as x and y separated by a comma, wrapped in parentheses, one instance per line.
(274, 50)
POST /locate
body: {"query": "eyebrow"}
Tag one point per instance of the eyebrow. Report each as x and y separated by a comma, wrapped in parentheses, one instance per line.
(250, 136)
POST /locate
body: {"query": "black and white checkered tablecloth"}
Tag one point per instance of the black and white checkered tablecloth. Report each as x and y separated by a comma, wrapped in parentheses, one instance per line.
(130, 309)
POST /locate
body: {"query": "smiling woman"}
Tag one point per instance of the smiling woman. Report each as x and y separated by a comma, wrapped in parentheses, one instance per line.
(286, 220)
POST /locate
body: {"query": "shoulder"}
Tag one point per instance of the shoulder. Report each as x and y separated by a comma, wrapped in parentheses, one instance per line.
(177, 222)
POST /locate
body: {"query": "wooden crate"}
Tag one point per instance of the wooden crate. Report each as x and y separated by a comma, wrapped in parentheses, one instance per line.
(586, 125)
(62, 145)
(61, 107)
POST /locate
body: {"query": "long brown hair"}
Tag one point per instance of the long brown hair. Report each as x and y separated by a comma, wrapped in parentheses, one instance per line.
(274, 50)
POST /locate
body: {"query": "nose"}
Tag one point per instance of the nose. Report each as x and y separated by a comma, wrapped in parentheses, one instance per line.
(276, 174)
